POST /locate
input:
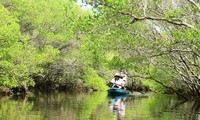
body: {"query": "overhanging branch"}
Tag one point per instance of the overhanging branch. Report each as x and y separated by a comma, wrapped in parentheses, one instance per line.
(195, 4)
(162, 19)
(173, 21)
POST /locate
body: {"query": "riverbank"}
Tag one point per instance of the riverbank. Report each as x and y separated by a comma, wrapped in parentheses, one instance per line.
(50, 86)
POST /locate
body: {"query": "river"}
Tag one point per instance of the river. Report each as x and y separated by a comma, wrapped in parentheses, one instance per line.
(97, 106)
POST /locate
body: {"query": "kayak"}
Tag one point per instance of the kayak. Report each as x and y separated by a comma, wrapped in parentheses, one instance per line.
(116, 97)
(118, 91)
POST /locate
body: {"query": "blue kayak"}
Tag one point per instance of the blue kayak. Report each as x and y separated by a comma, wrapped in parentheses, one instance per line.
(116, 97)
(118, 91)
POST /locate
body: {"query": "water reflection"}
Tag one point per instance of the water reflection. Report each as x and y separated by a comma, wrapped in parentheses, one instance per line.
(97, 106)
(118, 105)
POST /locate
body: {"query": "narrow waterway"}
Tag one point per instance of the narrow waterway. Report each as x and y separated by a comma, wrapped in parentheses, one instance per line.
(97, 106)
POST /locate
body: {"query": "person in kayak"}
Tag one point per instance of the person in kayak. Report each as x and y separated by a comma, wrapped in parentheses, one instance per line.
(117, 81)
(123, 74)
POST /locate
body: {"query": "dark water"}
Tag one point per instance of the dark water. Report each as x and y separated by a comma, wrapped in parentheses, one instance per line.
(97, 106)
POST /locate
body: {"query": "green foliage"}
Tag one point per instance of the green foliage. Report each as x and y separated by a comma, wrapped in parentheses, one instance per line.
(118, 34)
(153, 86)
(55, 21)
(31, 31)
(18, 59)
(8, 25)
(116, 63)
(92, 79)
(174, 13)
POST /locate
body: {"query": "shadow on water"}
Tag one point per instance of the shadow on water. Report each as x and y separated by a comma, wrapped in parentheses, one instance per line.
(97, 106)
(192, 113)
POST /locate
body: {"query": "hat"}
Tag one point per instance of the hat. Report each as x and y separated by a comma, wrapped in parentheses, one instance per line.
(117, 75)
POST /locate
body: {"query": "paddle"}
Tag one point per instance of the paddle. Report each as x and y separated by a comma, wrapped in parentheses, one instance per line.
(115, 84)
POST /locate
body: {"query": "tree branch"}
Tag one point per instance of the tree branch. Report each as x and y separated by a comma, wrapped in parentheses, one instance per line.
(195, 4)
(162, 19)
(135, 18)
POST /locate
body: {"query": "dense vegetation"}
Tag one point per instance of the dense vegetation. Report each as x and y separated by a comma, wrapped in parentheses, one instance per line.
(58, 43)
